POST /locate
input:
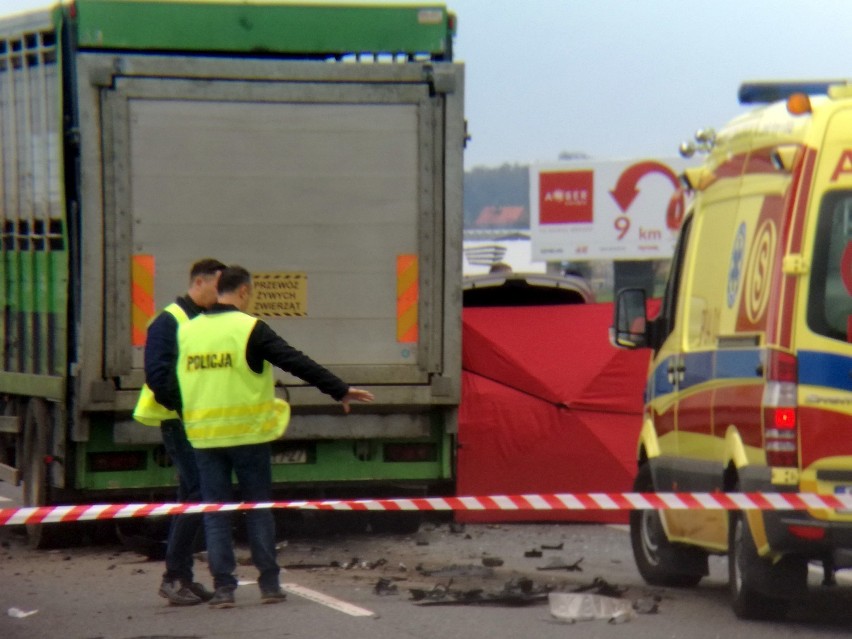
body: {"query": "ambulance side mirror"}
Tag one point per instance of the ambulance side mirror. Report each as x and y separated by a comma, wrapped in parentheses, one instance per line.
(630, 322)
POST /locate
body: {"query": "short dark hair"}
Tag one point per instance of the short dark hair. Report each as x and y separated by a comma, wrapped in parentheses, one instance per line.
(207, 266)
(232, 278)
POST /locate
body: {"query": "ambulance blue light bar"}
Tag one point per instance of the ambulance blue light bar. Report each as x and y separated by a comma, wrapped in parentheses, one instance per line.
(766, 92)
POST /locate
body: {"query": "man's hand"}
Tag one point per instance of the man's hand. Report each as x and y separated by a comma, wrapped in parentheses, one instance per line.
(356, 395)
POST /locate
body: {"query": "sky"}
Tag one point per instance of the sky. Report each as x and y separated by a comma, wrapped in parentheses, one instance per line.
(622, 79)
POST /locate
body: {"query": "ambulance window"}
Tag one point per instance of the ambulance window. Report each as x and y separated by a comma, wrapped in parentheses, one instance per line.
(666, 319)
(830, 303)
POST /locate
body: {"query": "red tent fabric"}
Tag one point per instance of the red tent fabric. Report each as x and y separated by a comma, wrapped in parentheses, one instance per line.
(548, 406)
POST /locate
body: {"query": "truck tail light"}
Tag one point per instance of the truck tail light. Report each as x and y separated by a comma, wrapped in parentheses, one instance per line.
(117, 461)
(781, 431)
(414, 452)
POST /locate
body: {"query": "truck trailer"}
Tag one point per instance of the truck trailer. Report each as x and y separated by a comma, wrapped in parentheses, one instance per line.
(318, 145)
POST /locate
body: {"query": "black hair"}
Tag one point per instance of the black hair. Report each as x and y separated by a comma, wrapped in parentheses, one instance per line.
(232, 278)
(207, 266)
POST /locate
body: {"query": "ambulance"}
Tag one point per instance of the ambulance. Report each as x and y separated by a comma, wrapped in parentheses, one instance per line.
(750, 380)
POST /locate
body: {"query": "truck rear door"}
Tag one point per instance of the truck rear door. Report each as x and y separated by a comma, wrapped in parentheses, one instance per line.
(326, 184)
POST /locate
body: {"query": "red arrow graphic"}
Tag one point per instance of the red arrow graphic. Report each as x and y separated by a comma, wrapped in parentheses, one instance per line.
(625, 190)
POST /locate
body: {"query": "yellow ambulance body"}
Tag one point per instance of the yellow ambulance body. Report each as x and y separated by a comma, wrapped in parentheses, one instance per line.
(750, 382)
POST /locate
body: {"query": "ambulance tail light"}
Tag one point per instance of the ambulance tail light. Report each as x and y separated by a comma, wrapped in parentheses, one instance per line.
(780, 419)
(808, 533)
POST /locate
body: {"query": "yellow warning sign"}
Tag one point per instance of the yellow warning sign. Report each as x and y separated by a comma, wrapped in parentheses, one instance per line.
(279, 295)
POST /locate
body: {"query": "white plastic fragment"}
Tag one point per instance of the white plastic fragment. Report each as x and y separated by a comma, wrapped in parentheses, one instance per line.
(622, 616)
(571, 607)
(17, 613)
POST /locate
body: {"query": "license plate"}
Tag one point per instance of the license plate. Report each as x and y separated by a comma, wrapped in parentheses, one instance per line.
(843, 491)
(290, 456)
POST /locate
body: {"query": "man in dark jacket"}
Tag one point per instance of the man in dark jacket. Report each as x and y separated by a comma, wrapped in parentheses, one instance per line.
(231, 415)
(160, 358)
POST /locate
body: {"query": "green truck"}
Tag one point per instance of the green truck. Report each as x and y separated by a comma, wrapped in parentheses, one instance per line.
(318, 145)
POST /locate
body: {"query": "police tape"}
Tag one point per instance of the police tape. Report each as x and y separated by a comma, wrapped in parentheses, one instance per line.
(537, 502)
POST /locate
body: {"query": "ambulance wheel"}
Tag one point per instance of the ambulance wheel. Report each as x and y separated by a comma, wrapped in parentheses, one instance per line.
(34, 473)
(660, 562)
(760, 588)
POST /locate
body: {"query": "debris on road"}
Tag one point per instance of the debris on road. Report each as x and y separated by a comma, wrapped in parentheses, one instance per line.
(571, 607)
(385, 586)
(535, 553)
(557, 563)
(492, 562)
(515, 592)
(17, 613)
(602, 587)
(305, 566)
(647, 605)
(470, 570)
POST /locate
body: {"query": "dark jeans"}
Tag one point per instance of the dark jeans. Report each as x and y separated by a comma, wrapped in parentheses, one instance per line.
(184, 528)
(252, 466)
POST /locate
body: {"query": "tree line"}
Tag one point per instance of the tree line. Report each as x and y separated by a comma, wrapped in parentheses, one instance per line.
(507, 185)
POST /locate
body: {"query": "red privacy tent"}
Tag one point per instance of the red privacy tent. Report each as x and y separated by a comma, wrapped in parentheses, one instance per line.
(548, 406)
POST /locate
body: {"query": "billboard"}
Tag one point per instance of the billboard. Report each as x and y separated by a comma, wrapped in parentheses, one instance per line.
(612, 210)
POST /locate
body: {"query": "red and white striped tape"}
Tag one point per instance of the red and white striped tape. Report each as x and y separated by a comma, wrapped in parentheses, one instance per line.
(542, 502)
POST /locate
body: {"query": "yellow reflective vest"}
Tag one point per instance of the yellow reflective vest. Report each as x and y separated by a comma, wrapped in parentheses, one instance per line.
(225, 403)
(148, 410)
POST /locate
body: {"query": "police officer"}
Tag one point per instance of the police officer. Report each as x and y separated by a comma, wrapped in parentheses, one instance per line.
(230, 412)
(157, 401)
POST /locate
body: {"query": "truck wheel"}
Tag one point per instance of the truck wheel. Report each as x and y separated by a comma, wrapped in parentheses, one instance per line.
(395, 523)
(9, 442)
(760, 589)
(34, 470)
(660, 562)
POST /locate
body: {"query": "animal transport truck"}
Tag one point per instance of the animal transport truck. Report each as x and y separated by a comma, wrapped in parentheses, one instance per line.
(750, 381)
(318, 145)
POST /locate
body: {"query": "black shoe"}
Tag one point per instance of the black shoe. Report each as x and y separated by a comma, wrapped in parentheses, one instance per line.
(199, 591)
(272, 596)
(223, 597)
(178, 593)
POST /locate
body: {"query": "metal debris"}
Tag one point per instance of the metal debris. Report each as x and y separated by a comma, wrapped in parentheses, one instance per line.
(533, 553)
(332, 564)
(385, 587)
(492, 562)
(455, 570)
(354, 563)
(553, 547)
(601, 587)
(515, 592)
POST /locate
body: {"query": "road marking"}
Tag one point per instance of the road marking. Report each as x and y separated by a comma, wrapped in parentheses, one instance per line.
(327, 600)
